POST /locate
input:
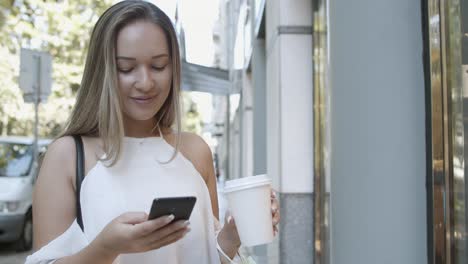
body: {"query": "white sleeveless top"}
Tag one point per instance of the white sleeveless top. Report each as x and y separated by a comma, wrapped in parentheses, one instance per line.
(140, 175)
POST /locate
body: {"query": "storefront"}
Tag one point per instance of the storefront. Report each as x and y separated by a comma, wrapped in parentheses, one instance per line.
(446, 71)
(390, 126)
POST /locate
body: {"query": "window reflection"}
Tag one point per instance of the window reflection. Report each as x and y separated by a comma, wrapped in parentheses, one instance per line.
(448, 49)
(321, 132)
(457, 59)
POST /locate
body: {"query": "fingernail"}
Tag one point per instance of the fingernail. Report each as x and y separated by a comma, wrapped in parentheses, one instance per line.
(186, 223)
(170, 217)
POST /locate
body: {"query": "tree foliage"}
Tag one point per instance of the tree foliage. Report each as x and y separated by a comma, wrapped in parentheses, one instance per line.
(61, 28)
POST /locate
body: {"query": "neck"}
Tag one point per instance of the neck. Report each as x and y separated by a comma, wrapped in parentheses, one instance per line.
(140, 128)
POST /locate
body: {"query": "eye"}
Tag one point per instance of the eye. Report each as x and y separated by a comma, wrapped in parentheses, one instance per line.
(125, 70)
(158, 68)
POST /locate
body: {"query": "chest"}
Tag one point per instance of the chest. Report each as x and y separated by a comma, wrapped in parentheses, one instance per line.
(108, 192)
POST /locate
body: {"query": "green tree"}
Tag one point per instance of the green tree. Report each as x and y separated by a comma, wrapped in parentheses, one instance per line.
(191, 118)
(61, 28)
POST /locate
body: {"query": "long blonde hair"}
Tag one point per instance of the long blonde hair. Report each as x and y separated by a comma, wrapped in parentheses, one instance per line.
(97, 111)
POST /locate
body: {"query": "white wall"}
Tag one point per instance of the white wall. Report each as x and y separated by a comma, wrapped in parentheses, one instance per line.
(378, 132)
(273, 107)
(289, 97)
(247, 126)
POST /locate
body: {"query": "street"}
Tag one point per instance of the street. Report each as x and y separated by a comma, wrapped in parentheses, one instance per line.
(9, 256)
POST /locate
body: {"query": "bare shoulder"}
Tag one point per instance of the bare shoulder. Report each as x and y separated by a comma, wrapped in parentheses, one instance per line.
(62, 145)
(195, 149)
(193, 142)
(60, 153)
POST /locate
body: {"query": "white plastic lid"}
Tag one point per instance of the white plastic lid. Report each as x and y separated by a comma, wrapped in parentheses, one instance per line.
(246, 183)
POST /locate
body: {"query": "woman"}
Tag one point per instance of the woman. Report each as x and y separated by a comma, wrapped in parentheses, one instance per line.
(126, 108)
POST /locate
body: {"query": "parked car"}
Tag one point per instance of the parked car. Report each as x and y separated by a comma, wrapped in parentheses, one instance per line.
(18, 171)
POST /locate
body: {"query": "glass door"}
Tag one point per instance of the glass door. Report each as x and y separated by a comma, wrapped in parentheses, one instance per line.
(447, 129)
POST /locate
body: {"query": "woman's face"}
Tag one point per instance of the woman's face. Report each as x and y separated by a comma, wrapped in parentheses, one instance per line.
(144, 69)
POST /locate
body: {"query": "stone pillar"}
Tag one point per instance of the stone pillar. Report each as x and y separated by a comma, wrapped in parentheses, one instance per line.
(290, 125)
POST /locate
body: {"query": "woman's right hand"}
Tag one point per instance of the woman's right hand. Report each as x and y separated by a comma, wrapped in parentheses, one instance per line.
(133, 233)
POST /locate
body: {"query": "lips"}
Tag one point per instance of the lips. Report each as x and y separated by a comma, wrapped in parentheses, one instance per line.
(143, 99)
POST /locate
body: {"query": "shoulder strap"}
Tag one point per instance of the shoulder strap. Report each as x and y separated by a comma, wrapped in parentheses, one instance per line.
(79, 177)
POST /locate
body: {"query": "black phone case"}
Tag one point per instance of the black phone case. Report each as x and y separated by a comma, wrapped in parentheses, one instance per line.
(180, 207)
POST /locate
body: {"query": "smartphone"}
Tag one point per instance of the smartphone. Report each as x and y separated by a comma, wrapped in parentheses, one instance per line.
(180, 207)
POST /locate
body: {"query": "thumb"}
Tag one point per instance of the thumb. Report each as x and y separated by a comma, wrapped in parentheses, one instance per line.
(228, 219)
(133, 218)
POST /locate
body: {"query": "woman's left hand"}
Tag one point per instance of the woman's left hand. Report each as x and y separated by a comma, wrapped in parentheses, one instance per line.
(275, 212)
(228, 236)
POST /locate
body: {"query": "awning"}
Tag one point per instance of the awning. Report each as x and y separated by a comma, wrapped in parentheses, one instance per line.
(204, 79)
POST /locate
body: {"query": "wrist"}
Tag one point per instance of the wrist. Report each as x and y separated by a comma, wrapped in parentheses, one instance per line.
(103, 253)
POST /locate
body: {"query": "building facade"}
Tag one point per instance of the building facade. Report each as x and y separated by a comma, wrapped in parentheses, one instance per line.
(355, 109)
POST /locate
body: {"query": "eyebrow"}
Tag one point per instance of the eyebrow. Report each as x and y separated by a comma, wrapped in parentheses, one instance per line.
(130, 58)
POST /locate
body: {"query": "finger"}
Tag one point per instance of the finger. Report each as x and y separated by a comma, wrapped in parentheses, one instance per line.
(273, 193)
(147, 227)
(230, 222)
(274, 201)
(274, 208)
(173, 237)
(276, 219)
(167, 230)
(227, 217)
(132, 217)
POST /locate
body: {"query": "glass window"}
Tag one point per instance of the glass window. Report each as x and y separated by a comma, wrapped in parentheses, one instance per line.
(447, 105)
(15, 159)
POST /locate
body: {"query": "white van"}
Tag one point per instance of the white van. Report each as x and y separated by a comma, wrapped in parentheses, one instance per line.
(18, 171)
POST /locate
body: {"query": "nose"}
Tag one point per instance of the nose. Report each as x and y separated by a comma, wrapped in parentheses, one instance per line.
(145, 81)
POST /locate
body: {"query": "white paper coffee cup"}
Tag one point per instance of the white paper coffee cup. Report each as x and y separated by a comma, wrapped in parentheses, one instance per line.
(250, 204)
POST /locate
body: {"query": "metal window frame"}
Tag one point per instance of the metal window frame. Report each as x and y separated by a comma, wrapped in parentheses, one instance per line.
(443, 107)
(321, 246)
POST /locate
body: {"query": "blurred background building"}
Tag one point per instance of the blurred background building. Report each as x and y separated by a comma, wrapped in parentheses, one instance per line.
(356, 110)
(267, 46)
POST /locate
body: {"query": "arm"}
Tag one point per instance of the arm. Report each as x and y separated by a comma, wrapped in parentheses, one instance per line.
(89, 254)
(53, 197)
(54, 202)
(196, 149)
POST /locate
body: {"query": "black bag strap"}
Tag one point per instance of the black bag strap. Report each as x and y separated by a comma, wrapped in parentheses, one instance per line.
(79, 177)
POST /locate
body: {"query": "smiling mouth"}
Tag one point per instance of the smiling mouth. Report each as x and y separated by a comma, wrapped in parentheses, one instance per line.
(143, 100)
